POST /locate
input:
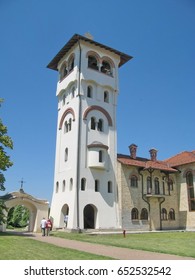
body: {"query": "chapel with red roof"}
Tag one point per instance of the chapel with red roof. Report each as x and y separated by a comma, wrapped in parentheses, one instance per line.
(156, 194)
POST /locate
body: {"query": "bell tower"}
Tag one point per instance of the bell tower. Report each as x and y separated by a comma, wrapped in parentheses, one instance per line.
(85, 188)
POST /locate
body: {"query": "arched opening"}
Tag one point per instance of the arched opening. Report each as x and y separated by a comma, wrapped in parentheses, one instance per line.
(64, 216)
(37, 209)
(22, 216)
(18, 218)
(89, 216)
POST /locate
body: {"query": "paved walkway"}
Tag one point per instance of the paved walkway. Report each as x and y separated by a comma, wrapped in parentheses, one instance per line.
(109, 251)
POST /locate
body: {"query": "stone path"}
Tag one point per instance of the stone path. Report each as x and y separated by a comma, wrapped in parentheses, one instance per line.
(109, 251)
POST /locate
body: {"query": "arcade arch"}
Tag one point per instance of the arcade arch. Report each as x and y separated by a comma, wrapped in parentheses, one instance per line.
(37, 208)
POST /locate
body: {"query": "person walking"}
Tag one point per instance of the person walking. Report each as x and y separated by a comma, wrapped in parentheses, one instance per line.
(65, 221)
(48, 226)
(43, 226)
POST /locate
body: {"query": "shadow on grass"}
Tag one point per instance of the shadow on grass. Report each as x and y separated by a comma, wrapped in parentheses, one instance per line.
(17, 233)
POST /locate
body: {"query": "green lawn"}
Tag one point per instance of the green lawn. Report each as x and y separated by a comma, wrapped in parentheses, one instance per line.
(176, 243)
(13, 247)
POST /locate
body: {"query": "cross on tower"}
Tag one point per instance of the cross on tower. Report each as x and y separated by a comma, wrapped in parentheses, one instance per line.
(21, 186)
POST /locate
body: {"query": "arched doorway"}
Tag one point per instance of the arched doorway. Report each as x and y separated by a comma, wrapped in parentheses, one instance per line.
(89, 215)
(64, 216)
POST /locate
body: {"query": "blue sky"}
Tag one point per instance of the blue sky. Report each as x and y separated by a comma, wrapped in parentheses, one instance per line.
(157, 87)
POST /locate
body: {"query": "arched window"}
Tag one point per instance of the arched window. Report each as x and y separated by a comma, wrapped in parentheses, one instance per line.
(190, 188)
(97, 186)
(57, 187)
(64, 99)
(93, 123)
(163, 214)
(106, 96)
(92, 62)
(171, 214)
(65, 127)
(189, 178)
(144, 214)
(149, 185)
(100, 125)
(156, 186)
(71, 63)
(63, 185)
(70, 124)
(66, 154)
(73, 92)
(89, 92)
(134, 214)
(71, 184)
(171, 184)
(133, 181)
(163, 185)
(106, 68)
(83, 184)
(63, 72)
(110, 187)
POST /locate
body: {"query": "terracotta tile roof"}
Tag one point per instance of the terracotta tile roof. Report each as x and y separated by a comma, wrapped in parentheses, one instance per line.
(181, 158)
(145, 163)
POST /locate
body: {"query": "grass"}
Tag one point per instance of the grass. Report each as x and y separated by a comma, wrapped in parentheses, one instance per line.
(175, 243)
(14, 247)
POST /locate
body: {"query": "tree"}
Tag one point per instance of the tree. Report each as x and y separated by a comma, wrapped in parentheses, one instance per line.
(5, 162)
(18, 216)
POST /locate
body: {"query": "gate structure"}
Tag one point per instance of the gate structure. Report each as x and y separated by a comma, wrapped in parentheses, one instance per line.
(38, 208)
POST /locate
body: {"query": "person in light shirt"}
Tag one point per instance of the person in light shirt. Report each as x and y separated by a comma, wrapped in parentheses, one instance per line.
(43, 226)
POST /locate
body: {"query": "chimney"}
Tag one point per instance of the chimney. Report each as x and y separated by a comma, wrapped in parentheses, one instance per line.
(153, 154)
(133, 150)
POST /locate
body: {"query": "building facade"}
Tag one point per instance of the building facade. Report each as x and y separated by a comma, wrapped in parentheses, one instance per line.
(93, 186)
(156, 195)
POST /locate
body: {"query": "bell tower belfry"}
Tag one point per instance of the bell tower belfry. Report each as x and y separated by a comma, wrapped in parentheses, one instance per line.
(85, 188)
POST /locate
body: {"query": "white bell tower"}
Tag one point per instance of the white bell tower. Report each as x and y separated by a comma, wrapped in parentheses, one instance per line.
(85, 188)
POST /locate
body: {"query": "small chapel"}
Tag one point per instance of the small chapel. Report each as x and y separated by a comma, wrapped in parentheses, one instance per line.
(94, 186)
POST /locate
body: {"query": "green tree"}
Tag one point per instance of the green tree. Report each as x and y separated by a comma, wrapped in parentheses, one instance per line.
(18, 216)
(5, 162)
